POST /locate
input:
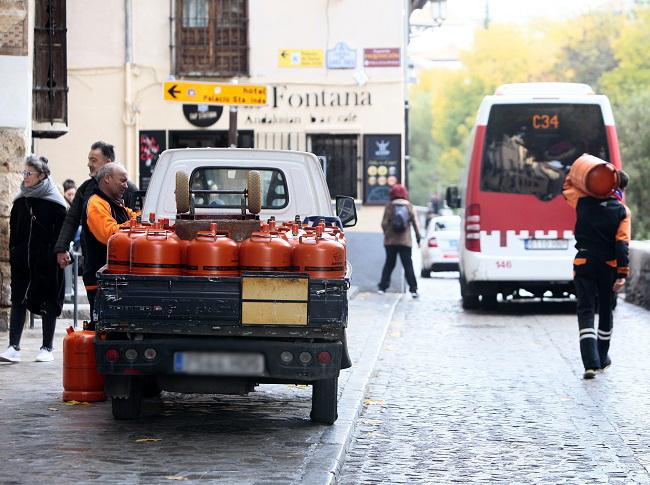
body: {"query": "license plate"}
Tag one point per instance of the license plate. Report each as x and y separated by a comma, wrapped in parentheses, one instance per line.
(546, 243)
(453, 243)
(219, 363)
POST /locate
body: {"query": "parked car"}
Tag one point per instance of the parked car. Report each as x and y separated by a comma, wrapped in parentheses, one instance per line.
(440, 246)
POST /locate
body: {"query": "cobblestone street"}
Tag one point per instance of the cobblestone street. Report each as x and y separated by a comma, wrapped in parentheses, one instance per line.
(265, 437)
(497, 397)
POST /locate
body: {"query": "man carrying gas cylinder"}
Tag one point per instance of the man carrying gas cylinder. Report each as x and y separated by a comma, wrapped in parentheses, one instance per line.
(594, 188)
(102, 217)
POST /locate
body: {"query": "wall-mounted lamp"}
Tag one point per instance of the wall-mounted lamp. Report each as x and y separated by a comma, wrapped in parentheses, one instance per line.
(436, 11)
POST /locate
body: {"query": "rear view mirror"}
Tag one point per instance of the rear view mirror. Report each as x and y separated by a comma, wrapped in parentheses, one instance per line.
(452, 197)
(346, 210)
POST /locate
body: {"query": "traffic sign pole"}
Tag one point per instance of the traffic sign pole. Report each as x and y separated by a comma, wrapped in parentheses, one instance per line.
(232, 129)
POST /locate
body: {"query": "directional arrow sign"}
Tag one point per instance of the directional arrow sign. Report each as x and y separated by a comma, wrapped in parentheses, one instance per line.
(214, 93)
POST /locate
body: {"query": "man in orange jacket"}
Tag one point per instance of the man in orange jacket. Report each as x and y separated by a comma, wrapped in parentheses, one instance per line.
(602, 232)
(103, 215)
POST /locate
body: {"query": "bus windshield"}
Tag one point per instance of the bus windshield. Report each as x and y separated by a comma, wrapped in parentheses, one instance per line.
(529, 148)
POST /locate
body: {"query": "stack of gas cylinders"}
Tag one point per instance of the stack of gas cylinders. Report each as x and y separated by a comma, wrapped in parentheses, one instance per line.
(153, 248)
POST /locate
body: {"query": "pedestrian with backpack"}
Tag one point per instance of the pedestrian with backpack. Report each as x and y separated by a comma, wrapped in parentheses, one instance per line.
(399, 216)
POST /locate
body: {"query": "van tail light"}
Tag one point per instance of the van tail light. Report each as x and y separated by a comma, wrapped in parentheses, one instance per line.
(432, 243)
(473, 228)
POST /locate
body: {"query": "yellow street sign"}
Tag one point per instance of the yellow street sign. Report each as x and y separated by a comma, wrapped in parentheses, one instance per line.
(300, 58)
(214, 93)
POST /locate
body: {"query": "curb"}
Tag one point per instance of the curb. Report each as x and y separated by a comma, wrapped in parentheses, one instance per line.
(324, 463)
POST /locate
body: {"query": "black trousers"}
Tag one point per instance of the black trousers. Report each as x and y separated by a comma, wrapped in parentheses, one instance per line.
(593, 282)
(391, 258)
(17, 322)
(91, 300)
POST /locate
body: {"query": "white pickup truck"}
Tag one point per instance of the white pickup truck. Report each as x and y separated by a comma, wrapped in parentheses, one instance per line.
(226, 335)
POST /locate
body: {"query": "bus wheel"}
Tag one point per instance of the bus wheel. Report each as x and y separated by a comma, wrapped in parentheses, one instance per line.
(470, 302)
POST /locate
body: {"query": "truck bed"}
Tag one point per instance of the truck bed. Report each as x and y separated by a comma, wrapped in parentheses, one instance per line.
(205, 305)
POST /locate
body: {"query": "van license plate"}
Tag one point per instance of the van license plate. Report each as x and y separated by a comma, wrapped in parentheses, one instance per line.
(547, 243)
(219, 363)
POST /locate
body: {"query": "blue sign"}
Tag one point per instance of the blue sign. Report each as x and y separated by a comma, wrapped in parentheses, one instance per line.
(341, 57)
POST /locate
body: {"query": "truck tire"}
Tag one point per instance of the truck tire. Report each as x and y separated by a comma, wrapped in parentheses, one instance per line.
(469, 301)
(150, 387)
(324, 397)
(182, 193)
(128, 407)
(425, 273)
(254, 191)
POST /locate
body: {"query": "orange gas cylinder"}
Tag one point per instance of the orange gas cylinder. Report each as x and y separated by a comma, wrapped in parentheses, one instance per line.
(158, 252)
(593, 176)
(319, 257)
(118, 252)
(81, 381)
(210, 254)
(265, 251)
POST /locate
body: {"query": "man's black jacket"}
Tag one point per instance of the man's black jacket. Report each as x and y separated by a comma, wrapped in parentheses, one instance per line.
(73, 217)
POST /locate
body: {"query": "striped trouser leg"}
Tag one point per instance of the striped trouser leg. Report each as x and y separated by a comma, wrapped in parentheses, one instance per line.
(605, 280)
(586, 294)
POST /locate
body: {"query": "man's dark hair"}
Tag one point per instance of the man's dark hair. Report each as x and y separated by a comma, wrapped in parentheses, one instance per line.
(106, 148)
(68, 184)
(623, 179)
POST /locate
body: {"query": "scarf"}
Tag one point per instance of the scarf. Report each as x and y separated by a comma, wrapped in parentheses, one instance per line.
(46, 190)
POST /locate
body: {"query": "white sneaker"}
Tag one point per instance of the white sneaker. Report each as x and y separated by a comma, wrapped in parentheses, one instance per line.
(380, 292)
(45, 356)
(10, 355)
(414, 294)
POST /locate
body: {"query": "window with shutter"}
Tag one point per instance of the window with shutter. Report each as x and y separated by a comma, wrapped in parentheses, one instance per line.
(50, 86)
(211, 38)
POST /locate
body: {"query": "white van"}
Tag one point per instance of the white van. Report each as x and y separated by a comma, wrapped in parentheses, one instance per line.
(517, 231)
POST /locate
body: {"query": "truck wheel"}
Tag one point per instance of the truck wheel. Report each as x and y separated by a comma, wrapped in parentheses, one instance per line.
(182, 193)
(131, 406)
(150, 387)
(425, 273)
(324, 398)
(470, 302)
(254, 190)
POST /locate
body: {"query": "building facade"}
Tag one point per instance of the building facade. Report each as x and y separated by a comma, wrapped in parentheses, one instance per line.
(334, 71)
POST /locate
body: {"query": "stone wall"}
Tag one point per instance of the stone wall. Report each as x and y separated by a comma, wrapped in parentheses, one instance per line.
(12, 154)
(637, 289)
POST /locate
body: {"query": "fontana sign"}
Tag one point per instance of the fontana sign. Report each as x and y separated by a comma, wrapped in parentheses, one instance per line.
(282, 97)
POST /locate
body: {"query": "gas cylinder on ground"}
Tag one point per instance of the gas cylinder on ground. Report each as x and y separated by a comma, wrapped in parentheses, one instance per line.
(158, 252)
(319, 257)
(265, 251)
(593, 176)
(81, 381)
(212, 254)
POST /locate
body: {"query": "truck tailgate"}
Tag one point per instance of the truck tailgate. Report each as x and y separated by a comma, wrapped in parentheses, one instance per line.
(201, 305)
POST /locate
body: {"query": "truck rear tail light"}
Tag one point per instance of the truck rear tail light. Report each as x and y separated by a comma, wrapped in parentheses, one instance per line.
(304, 357)
(324, 357)
(112, 355)
(150, 354)
(473, 228)
(286, 357)
(131, 354)
(433, 243)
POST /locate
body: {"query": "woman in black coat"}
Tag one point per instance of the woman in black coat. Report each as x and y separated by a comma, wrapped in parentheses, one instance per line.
(37, 281)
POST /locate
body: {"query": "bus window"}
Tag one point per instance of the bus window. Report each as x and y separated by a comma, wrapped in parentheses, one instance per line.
(529, 148)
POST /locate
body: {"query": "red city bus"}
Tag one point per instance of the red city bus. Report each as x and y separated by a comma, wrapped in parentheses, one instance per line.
(517, 231)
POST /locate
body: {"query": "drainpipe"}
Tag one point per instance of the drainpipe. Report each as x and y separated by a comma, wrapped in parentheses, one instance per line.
(128, 91)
